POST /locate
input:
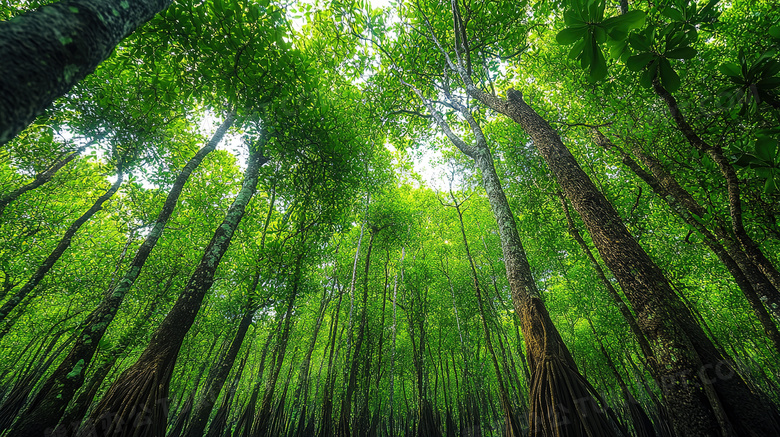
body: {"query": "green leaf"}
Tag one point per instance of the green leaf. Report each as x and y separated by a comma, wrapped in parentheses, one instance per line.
(577, 48)
(640, 43)
(646, 80)
(730, 69)
(770, 186)
(768, 83)
(638, 62)
(625, 22)
(766, 149)
(681, 53)
(669, 78)
(571, 35)
(571, 18)
(598, 67)
(774, 32)
(672, 13)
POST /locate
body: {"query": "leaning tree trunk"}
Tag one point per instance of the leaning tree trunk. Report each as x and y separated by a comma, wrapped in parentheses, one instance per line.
(47, 51)
(141, 392)
(750, 280)
(62, 385)
(217, 377)
(55, 255)
(513, 428)
(556, 384)
(41, 178)
(685, 360)
(732, 184)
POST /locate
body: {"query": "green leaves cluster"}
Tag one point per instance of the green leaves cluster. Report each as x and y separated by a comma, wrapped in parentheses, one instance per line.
(587, 29)
(670, 33)
(753, 83)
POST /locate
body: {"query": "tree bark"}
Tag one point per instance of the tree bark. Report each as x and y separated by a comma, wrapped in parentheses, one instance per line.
(700, 403)
(550, 361)
(47, 51)
(41, 178)
(750, 280)
(62, 385)
(217, 377)
(140, 394)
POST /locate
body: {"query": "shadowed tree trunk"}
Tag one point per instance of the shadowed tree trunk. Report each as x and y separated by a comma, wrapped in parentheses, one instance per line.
(47, 51)
(512, 426)
(217, 377)
(62, 385)
(561, 399)
(751, 281)
(140, 394)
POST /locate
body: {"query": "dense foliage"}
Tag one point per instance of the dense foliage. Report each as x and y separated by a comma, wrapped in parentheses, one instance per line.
(478, 218)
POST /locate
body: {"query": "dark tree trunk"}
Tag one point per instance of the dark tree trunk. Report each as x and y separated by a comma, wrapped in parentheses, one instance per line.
(55, 255)
(750, 280)
(621, 305)
(217, 377)
(512, 426)
(140, 395)
(684, 362)
(715, 153)
(62, 385)
(47, 51)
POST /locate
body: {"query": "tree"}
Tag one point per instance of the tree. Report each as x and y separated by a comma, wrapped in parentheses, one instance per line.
(71, 38)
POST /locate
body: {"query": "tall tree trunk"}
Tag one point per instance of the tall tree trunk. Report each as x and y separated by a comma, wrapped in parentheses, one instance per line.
(55, 255)
(732, 184)
(751, 281)
(556, 384)
(62, 385)
(684, 362)
(512, 425)
(54, 47)
(217, 377)
(344, 427)
(142, 390)
(621, 305)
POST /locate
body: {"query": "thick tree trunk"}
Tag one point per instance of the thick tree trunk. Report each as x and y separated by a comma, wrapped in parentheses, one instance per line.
(621, 305)
(550, 360)
(701, 403)
(47, 51)
(751, 249)
(62, 385)
(55, 255)
(753, 284)
(142, 390)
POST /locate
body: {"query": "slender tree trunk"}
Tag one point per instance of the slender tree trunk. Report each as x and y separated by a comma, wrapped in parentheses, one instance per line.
(550, 360)
(621, 305)
(62, 385)
(55, 255)
(715, 153)
(512, 426)
(42, 178)
(142, 389)
(217, 377)
(56, 46)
